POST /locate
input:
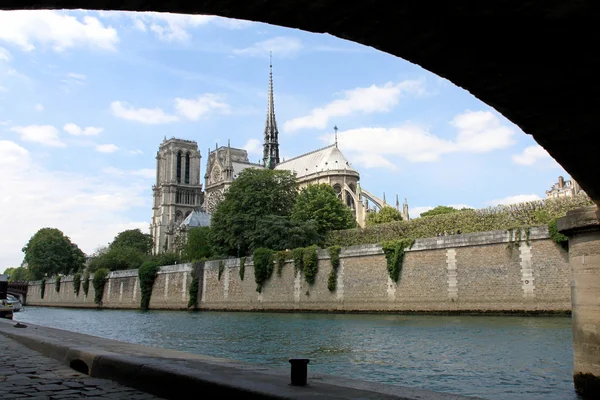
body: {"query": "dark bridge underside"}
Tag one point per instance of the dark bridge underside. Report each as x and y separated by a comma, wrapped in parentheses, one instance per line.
(536, 62)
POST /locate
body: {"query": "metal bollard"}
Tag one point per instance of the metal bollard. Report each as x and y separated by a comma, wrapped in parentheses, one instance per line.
(299, 371)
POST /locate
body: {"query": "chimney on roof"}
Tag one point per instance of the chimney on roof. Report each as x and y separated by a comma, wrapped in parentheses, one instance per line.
(561, 182)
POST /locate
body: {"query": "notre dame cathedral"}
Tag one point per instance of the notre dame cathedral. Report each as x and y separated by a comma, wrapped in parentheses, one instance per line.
(180, 202)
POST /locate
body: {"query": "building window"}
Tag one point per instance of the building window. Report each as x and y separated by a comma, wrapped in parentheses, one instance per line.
(187, 168)
(178, 167)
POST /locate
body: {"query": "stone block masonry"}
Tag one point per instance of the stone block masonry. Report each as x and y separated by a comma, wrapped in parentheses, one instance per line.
(478, 272)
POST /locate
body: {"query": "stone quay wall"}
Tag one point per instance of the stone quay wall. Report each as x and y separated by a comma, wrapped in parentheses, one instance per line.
(478, 272)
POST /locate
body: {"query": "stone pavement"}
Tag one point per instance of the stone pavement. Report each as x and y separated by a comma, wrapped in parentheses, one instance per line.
(26, 374)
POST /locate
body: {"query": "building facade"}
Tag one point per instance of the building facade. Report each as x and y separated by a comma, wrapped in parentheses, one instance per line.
(177, 192)
(564, 188)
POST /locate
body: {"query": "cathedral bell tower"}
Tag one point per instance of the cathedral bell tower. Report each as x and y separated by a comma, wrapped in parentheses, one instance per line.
(271, 140)
(177, 191)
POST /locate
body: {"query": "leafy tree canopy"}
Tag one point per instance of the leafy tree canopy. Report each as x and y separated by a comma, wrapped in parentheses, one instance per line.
(280, 233)
(320, 203)
(383, 216)
(50, 252)
(133, 238)
(198, 244)
(255, 194)
(117, 258)
(17, 274)
(442, 210)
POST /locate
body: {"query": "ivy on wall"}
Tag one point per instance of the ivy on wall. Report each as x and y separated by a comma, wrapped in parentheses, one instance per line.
(242, 267)
(280, 259)
(147, 273)
(197, 269)
(221, 268)
(57, 284)
(76, 283)
(86, 283)
(100, 277)
(394, 255)
(297, 256)
(556, 235)
(263, 266)
(42, 288)
(310, 263)
(334, 258)
(502, 217)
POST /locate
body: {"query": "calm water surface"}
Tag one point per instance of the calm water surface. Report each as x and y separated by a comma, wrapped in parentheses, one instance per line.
(489, 357)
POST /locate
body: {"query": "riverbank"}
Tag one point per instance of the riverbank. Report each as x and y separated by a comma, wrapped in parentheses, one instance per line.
(478, 273)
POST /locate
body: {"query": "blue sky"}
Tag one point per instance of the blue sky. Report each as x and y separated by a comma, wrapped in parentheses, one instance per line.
(86, 97)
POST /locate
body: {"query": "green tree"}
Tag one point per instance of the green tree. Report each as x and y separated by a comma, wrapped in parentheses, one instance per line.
(198, 244)
(255, 194)
(385, 215)
(133, 238)
(320, 203)
(17, 274)
(50, 252)
(442, 210)
(117, 258)
(280, 233)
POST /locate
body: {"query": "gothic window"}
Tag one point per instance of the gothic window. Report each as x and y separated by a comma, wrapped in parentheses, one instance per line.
(187, 168)
(352, 188)
(337, 188)
(187, 213)
(178, 196)
(179, 167)
(349, 199)
(178, 216)
(216, 174)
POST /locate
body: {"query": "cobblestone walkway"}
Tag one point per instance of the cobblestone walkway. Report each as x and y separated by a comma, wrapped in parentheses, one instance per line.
(26, 374)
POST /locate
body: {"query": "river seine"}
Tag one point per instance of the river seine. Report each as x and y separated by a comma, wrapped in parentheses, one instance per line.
(489, 357)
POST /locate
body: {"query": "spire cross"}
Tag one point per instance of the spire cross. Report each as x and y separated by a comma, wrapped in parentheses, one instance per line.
(335, 128)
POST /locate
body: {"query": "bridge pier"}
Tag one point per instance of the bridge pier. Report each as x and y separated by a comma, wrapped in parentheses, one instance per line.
(582, 226)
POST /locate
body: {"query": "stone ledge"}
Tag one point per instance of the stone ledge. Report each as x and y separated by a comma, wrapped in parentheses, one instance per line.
(173, 374)
(580, 219)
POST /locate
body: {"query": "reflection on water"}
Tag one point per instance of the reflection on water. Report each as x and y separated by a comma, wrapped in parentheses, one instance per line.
(489, 357)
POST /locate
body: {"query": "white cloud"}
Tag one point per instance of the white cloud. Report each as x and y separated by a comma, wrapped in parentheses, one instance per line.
(520, 198)
(91, 210)
(58, 29)
(135, 152)
(149, 116)
(106, 148)
(481, 131)
(281, 46)
(39, 107)
(195, 108)
(147, 173)
(531, 155)
(76, 130)
(4, 54)
(77, 77)
(375, 147)
(170, 27)
(43, 134)
(253, 146)
(369, 100)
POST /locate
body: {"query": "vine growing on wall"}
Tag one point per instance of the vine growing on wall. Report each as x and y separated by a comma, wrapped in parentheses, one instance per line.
(147, 273)
(86, 283)
(221, 268)
(100, 278)
(558, 237)
(394, 255)
(263, 266)
(42, 288)
(195, 284)
(310, 264)
(242, 267)
(76, 283)
(57, 284)
(334, 254)
(297, 256)
(280, 258)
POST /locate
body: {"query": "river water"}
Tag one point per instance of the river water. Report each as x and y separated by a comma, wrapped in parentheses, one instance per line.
(489, 357)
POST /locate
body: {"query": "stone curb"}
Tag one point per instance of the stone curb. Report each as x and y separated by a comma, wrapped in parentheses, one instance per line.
(170, 379)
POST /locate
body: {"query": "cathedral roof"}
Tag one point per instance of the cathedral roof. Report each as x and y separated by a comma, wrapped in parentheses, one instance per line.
(196, 218)
(328, 158)
(240, 166)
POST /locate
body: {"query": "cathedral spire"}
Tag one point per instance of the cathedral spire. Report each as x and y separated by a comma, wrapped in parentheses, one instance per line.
(271, 141)
(228, 161)
(335, 128)
(397, 203)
